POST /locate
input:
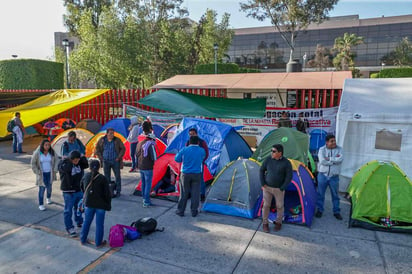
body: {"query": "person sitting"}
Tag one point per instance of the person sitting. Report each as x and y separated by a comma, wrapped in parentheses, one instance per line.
(166, 185)
(68, 124)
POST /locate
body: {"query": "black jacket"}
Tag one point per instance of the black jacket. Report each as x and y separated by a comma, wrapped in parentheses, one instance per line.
(276, 173)
(70, 183)
(98, 194)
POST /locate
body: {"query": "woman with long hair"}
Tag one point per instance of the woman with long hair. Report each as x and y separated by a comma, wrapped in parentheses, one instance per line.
(97, 199)
(44, 164)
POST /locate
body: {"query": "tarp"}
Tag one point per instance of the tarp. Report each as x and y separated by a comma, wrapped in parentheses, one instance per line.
(224, 142)
(381, 198)
(47, 106)
(196, 105)
(374, 122)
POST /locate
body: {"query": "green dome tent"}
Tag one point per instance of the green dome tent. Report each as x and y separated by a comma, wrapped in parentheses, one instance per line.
(381, 198)
(295, 145)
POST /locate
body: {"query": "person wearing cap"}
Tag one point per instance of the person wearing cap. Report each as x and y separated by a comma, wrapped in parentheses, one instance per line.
(134, 131)
(110, 151)
(146, 156)
(71, 173)
(97, 200)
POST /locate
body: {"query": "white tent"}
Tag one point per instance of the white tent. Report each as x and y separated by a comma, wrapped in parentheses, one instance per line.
(374, 122)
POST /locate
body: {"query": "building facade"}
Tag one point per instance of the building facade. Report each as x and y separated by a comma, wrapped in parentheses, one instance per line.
(264, 48)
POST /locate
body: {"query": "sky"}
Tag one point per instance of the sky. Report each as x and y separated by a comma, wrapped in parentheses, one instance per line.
(27, 26)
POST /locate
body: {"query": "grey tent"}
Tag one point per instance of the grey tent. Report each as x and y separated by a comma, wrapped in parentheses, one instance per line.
(236, 190)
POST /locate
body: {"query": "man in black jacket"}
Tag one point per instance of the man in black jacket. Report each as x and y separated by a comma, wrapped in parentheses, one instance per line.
(71, 173)
(275, 175)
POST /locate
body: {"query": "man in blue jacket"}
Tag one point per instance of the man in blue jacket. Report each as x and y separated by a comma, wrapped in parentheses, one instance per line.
(191, 158)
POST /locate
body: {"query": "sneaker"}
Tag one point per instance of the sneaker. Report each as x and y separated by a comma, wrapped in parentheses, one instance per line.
(318, 214)
(87, 242)
(266, 228)
(278, 226)
(72, 232)
(194, 213)
(338, 216)
(146, 205)
(181, 214)
(103, 244)
(42, 207)
(49, 201)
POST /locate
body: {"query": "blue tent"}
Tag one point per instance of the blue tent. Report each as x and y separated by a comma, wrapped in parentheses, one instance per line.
(120, 125)
(157, 130)
(224, 142)
(236, 190)
(317, 140)
(300, 197)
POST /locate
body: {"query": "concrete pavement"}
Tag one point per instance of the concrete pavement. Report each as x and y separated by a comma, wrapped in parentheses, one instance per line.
(33, 241)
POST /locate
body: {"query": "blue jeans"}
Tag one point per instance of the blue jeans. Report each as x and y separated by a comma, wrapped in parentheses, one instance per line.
(133, 147)
(88, 219)
(16, 146)
(71, 200)
(323, 183)
(48, 186)
(146, 177)
(107, 168)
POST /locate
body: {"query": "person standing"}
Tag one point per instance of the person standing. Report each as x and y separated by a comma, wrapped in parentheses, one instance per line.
(134, 129)
(71, 173)
(71, 144)
(18, 133)
(97, 200)
(284, 120)
(45, 165)
(146, 156)
(110, 151)
(275, 175)
(302, 124)
(202, 144)
(191, 158)
(330, 160)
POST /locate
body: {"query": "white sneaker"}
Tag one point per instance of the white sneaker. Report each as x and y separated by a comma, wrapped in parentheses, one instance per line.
(42, 207)
(49, 201)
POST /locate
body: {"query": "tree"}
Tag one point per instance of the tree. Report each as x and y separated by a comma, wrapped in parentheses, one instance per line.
(289, 17)
(343, 45)
(401, 56)
(76, 8)
(321, 60)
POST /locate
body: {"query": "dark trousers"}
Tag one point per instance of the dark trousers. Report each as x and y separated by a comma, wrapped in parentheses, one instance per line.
(189, 184)
(107, 168)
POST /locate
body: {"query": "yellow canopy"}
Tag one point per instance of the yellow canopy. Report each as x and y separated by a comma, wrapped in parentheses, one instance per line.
(47, 106)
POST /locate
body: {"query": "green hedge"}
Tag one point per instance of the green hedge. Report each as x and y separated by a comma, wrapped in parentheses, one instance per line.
(222, 69)
(395, 73)
(31, 74)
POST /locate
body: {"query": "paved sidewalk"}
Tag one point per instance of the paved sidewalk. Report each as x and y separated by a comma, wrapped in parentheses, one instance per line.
(33, 241)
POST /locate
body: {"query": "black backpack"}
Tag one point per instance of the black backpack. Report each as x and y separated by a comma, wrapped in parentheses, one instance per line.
(146, 225)
(10, 125)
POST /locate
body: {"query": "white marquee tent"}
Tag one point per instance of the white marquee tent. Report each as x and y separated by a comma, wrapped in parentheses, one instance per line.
(374, 122)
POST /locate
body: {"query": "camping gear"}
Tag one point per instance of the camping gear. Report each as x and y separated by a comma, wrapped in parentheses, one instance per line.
(81, 134)
(316, 141)
(300, 197)
(91, 144)
(295, 145)
(169, 133)
(236, 190)
(120, 125)
(146, 225)
(89, 124)
(374, 121)
(47, 106)
(381, 198)
(197, 105)
(224, 142)
(160, 168)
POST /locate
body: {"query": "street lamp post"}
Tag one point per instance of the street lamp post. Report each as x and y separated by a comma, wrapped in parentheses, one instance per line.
(215, 47)
(66, 44)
